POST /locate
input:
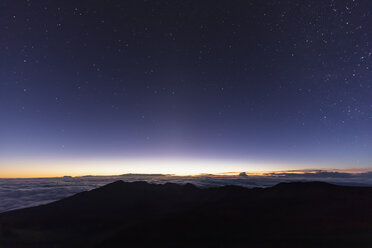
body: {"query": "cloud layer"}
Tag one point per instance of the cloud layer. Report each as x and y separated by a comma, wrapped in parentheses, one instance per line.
(20, 193)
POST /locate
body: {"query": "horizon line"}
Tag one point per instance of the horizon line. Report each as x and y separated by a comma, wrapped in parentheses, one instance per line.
(218, 174)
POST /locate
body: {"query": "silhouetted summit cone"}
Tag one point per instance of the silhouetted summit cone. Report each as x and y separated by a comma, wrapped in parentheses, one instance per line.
(120, 185)
(189, 186)
(141, 214)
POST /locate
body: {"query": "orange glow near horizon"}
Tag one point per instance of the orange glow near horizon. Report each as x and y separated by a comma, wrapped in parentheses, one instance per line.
(117, 167)
(180, 167)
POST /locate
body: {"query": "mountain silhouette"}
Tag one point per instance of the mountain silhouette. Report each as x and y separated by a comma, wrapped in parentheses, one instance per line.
(140, 214)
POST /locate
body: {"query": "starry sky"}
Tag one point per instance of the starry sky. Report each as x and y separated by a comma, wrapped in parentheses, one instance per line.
(275, 82)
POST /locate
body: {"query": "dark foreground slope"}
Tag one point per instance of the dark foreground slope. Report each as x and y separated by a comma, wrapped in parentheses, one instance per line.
(147, 215)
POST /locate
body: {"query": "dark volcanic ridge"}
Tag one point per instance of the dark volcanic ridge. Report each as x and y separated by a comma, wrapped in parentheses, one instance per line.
(140, 214)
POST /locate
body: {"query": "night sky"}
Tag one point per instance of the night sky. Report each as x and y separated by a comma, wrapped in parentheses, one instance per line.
(273, 82)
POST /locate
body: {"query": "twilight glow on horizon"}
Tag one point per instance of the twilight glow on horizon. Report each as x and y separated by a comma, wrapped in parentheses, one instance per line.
(184, 87)
(166, 166)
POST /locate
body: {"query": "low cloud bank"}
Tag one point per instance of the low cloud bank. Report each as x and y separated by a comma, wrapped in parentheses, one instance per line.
(20, 193)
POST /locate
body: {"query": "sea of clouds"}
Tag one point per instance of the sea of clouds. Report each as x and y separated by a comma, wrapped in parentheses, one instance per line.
(21, 193)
